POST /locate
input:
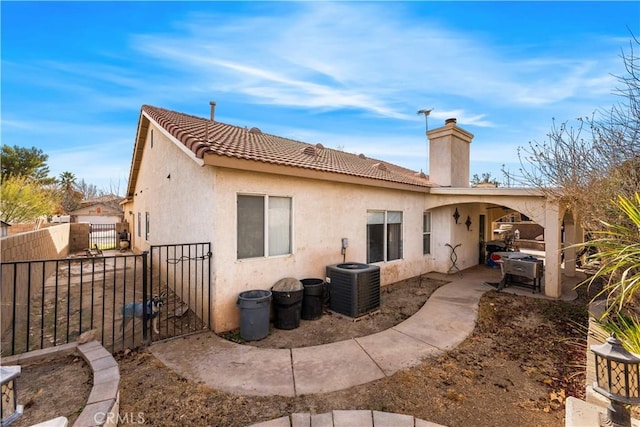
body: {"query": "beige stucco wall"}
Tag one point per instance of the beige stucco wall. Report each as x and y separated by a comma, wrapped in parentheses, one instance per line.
(447, 232)
(449, 151)
(323, 214)
(532, 203)
(176, 191)
(179, 195)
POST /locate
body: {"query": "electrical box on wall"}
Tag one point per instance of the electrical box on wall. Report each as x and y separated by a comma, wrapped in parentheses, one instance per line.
(345, 243)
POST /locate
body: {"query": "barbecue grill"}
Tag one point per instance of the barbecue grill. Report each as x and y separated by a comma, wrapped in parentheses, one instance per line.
(525, 272)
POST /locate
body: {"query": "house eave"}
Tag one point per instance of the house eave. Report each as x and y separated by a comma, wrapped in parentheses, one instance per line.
(471, 191)
(138, 149)
(141, 134)
(298, 172)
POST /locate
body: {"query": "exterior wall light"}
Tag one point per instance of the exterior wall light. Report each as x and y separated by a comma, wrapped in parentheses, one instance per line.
(10, 410)
(618, 379)
(456, 215)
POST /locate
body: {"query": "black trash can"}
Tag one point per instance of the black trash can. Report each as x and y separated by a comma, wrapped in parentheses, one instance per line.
(255, 309)
(287, 303)
(313, 298)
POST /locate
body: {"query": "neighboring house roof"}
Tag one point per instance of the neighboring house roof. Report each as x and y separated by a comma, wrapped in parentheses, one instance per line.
(4, 224)
(105, 209)
(108, 205)
(205, 138)
(102, 199)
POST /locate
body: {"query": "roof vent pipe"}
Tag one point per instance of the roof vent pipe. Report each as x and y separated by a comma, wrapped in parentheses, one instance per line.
(213, 109)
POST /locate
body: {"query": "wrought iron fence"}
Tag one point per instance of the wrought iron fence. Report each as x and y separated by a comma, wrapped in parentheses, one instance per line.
(102, 236)
(51, 302)
(46, 303)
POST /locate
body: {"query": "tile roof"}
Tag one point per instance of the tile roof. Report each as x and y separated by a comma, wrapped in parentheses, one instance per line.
(205, 137)
(102, 199)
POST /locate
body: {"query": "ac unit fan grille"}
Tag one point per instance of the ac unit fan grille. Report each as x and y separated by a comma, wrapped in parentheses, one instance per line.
(354, 292)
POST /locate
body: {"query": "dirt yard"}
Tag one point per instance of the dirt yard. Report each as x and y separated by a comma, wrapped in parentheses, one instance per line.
(524, 358)
(397, 303)
(53, 388)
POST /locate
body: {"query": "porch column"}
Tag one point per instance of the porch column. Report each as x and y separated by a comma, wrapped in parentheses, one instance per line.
(552, 238)
(569, 252)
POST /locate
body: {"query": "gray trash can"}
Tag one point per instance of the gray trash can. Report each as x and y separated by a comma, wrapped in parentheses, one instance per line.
(255, 309)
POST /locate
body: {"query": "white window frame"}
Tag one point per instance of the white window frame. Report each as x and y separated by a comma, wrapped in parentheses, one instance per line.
(426, 233)
(385, 235)
(267, 221)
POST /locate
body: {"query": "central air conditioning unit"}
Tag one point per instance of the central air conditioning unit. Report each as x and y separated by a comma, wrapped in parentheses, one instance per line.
(354, 288)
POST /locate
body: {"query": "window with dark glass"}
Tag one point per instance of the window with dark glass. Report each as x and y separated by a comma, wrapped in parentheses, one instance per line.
(426, 233)
(384, 236)
(147, 222)
(264, 226)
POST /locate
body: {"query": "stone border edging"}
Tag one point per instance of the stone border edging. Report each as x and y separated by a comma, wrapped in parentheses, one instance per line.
(356, 417)
(103, 403)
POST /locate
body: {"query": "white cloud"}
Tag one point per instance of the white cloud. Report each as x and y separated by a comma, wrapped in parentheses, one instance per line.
(372, 64)
(104, 164)
(320, 56)
(99, 153)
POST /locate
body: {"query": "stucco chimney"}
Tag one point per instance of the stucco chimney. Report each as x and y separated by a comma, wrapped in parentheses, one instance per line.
(449, 148)
(213, 109)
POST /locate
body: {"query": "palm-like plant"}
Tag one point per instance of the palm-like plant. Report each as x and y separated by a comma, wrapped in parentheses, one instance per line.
(626, 327)
(67, 180)
(70, 197)
(618, 256)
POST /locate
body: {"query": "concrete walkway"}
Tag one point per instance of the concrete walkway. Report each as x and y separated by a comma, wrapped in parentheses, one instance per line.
(444, 321)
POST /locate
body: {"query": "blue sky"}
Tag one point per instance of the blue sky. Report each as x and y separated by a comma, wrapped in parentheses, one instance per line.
(350, 75)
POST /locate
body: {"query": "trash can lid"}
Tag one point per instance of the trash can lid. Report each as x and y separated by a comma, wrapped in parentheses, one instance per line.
(288, 284)
(254, 294)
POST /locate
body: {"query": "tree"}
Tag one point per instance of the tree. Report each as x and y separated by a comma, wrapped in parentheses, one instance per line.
(67, 180)
(70, 196)
(588, 163)
(24, 200)
(88, 191)
(27, 162)
(486, 179)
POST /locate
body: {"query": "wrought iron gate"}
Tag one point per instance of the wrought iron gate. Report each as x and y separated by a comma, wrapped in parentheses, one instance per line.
(103, 236)
(181, 273)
